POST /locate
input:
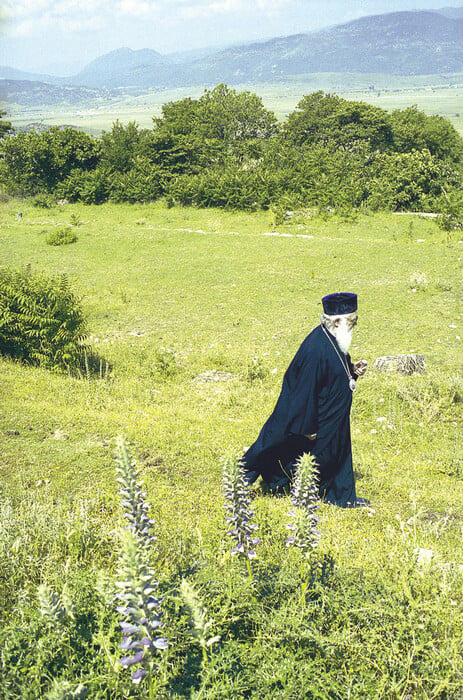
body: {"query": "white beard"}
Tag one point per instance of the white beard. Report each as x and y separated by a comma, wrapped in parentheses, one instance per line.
(343, 336)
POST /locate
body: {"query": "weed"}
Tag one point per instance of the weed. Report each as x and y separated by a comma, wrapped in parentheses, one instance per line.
(62, 236)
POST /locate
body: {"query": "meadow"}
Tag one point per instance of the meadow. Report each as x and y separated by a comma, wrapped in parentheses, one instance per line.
(433, 94)
(195, 315)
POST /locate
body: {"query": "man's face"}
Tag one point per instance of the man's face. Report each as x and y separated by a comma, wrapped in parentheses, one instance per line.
(350, 321)
(343, 329)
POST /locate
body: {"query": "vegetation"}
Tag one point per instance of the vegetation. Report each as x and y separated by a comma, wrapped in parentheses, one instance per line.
(62, 236)
(199, 313)
(225, 149)
(41, 320)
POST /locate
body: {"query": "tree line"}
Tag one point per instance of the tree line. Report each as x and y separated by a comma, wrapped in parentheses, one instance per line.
(226, 149)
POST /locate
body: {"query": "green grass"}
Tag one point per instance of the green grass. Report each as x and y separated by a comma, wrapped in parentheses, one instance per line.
(170, 294)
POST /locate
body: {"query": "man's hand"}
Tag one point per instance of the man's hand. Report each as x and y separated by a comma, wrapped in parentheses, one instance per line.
(360, 367)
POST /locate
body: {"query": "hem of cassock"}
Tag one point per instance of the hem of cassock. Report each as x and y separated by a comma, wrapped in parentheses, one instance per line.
(251, 477)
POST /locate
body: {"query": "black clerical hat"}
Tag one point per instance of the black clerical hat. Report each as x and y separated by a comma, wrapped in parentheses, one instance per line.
(339, 303)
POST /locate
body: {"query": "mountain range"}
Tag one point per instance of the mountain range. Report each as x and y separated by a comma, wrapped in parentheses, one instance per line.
(397, 43)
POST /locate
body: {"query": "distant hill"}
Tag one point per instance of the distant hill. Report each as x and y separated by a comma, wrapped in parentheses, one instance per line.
(31, 93)
(9, 73)
(453, 12)
(397, 43)
(127, 68)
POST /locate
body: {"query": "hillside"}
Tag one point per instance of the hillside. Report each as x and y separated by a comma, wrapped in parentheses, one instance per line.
(127, 68)
(398, 43)
(30, 93)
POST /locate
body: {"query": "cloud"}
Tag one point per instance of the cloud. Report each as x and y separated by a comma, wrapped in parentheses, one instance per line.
(211, 8)
(138, 8)
(30, 17)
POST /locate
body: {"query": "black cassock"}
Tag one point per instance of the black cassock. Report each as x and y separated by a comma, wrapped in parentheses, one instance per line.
(315, 398)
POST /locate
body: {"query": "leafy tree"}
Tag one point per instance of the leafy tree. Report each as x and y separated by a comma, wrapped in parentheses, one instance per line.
(413, 130)
(34, 162)
(409, 181)
(221, 124)
(122, 145)
(180, 117)
(332, 121)
(235, 117)
(5, 127)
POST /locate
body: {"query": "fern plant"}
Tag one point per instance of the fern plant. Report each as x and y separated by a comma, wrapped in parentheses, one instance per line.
(41, 320)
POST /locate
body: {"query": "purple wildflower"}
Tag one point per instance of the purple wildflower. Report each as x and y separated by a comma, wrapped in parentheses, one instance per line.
(137, 604)
(238, 509)
(135, 506)
(140, 609)
(304, 495)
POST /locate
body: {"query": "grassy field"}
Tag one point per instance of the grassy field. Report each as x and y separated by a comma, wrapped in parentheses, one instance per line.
(172, 295)
(437, 94)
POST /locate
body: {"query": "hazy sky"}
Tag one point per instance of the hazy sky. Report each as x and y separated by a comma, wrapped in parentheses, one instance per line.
(61, 36)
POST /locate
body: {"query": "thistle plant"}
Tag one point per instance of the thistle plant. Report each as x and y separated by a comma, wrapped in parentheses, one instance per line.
(136, 509)
(199, 624)
(239, 514)
(304, 496)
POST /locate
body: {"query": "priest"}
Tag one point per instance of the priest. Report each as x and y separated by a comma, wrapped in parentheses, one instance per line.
(312, 413)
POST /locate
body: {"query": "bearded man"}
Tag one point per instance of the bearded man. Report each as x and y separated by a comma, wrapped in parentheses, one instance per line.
(312, 413)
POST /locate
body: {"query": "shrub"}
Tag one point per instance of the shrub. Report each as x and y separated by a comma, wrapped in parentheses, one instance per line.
(61, 236)
(142, 183)
(41, 320)
(89, 187)
(43, 201)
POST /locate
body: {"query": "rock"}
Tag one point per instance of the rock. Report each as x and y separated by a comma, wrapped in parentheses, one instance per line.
(405, 364)
(214, 375)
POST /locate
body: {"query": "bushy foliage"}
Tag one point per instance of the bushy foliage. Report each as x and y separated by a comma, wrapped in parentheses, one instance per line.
(413, 130)
(36, 162)
(86, 186)
(41, 320)
(224, 149)
(144, 182)
(230, 188)
(331, 120)
(315, 177)
(61, 236)
(409, 181)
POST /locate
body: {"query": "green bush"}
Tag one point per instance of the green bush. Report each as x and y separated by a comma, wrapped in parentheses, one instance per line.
(142, 183)
(41, 320)
(61, 236)
(44, 201)
(89, 187)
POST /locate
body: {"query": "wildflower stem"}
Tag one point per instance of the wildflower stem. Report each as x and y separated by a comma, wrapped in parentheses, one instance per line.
(248, 566)
(304, 586)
